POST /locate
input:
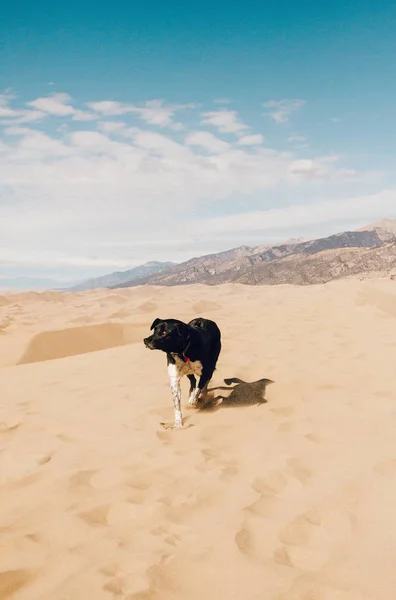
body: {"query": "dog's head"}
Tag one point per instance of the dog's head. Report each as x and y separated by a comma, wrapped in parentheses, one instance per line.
(169, 335)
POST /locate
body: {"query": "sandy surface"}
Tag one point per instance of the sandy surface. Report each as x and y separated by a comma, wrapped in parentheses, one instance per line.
(292, 499)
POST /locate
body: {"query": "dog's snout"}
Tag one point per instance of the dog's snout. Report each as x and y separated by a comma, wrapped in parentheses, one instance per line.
(147, 342)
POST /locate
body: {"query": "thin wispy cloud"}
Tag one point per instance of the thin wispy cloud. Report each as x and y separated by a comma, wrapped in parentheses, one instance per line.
(5, 110)
(153, 112)
(253, 139)
(16, 115)
(226, 121)
(280, 110)
(303, 215)
(296, 138)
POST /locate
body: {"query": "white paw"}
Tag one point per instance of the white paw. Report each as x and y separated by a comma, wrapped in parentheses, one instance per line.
(176, 425)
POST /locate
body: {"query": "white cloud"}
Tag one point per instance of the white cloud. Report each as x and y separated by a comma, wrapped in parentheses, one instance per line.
(293, 218)
(208, 141)
(109, 108)
(5, 110)
(154, 112)
(35, 144)
(225, 121)
(251, 140)
(295, 137)
(29, 116)
(124, 194)
(308, 167)
(16, 116)
(59, 105)
(280, 110)
(112, 126)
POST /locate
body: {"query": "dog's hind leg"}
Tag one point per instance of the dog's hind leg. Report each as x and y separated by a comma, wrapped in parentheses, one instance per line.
(193, 390)
(202, 385)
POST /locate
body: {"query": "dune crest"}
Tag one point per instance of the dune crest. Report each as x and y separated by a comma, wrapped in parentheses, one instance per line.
(50, 345)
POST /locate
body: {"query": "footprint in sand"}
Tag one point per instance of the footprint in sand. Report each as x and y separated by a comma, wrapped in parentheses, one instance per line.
(7, 427)
(16, 468)
(298, 469)
(115, 586)
(270, 485)
(96, 517)
(268, 489)
(244, 542)
(312, 437)
(214, 459)
(254, 539)
(306, 588)
(108, 478)
(81, 479)
(124, 584)
(311, 539)
(283, 411)
(63, 437)
(298, 531)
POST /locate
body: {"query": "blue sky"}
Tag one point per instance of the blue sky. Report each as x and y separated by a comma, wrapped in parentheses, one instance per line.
(133, 132)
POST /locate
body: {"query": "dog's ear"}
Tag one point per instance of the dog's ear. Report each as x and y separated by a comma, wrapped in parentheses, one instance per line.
(155, 323)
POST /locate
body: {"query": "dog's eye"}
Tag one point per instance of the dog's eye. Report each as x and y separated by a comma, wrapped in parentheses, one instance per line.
(163, 333)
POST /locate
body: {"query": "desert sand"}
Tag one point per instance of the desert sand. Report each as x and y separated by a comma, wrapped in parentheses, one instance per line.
(292, 499)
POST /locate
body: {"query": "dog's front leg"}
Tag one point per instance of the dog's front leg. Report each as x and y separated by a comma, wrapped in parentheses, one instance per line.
(176, 396)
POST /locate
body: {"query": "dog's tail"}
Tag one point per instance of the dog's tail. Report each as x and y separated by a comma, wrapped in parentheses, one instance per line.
(237, 380)
(233, 380)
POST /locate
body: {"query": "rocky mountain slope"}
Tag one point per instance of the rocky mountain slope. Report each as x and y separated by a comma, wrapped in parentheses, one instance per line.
(120, 277)
(370, 250)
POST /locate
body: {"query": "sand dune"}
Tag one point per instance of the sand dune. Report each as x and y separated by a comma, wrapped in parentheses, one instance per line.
(49, 345)
(284, 491)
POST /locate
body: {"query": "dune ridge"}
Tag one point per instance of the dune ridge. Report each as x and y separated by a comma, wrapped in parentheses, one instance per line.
(284, 491)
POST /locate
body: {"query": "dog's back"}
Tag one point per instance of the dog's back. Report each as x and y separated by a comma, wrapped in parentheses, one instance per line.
(210, 336)
(206, 324)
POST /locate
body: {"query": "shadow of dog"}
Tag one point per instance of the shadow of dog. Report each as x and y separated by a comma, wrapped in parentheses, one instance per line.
(243, 393)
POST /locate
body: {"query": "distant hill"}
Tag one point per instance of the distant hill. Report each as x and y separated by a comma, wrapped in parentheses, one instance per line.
(119, 277)
(368, 251)
(36, 284)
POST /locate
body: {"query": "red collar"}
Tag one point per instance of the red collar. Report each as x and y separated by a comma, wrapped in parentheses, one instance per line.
(184, 357)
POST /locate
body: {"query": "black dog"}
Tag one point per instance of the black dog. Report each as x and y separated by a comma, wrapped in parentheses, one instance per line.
(191, 349)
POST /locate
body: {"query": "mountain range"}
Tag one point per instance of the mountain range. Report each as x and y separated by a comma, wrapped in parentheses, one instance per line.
(111, 279)
(119, 278)
(370, 251)
(367, 252)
